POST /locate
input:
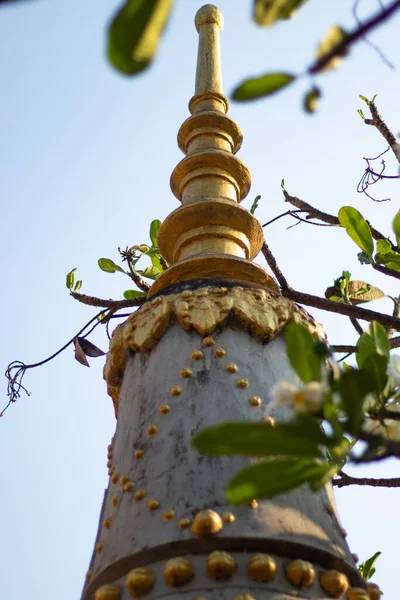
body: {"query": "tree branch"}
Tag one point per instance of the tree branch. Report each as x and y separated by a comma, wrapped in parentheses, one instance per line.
(112, 304)
(343, 348)
(346, 480)
(383, 129)
(270, 258)
(354, 36)
(314, 213)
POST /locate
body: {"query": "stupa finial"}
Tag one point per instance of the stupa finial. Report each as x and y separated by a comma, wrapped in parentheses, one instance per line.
(210, 235)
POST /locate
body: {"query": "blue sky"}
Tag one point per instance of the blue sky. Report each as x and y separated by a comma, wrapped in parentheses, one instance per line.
(86, 157)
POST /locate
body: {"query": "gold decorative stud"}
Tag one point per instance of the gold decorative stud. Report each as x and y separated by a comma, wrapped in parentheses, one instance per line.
(139, 495)
(206, 522)
(109, 448)
(128, 486)
(228, 518)
(197, 355)
(374, 591)
(329, 509)
(99, 547)
(261, 567)
(334, 583)
(184, 523)
(178, 571)
(232, 368)
(153, 504)
(109, 464)
(114, 500)
(107, 523)
(255, 401)
(252, 504)
(220, 565)
(242, 383)
(355, 557)
(208, 341)
(88, 575)
(244, 597)
(357, 593)
(152, 430)
(300, 572)
(343, 532)
(124, 479)
(169, 514)
(219, 352)
(139, 454)
(175, 390)
(111, 471)
(139, 581)
(269, 421)
(108, 592)
(164, 409)
(186, 373)
(115, 477)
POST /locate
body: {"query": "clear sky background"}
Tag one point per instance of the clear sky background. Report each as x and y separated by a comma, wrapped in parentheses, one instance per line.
(85, 160)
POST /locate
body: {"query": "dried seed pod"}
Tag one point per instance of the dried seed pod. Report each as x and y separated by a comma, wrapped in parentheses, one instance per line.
(300, 572)
(139, 581)
(220, 565)
(206, 522)
(334, 583)
(178, 571)
(261, 567)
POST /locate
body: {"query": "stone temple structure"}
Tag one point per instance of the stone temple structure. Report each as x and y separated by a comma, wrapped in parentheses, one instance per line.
(206, 347)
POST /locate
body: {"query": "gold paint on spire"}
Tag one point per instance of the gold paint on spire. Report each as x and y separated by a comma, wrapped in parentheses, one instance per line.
(210, 235)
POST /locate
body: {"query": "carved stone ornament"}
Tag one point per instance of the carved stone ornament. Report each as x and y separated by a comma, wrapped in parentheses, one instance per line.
(263, 313)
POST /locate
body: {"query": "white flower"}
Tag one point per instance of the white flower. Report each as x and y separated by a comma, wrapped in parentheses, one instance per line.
(307, 399)
(394, 369)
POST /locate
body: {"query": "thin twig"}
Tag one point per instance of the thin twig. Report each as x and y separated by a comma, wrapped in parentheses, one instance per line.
(383, 129)
(141, 283)
(373, 46)
(112, 304)
(354, 36)
(314, 213)
(346, 480)
(270, 258)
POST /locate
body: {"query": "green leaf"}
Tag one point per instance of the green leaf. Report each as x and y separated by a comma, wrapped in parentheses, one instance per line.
(364, 259)
(273, 477)
(383, 246)
(364, 99)
(300, 350)
(310, 102)
(255, 204)
(357, 228)
(150, 272)
(259, 439)
(373, 341)
(78, 285)
(360, 112)
(396, 227)
(109, 266)
(390, 259)
(130, 294)
(154, 229)
(134, 34)
(335, 36)
(283, 184)
(376, 365)
(353, 387)
(155, 257)
(70, 279)
(265, 85)
(267, 12)
(367, 567)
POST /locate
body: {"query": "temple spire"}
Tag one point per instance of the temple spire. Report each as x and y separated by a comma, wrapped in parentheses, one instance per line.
(210, 235)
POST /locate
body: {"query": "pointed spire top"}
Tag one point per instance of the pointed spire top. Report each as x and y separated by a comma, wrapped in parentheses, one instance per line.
(210, 235)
